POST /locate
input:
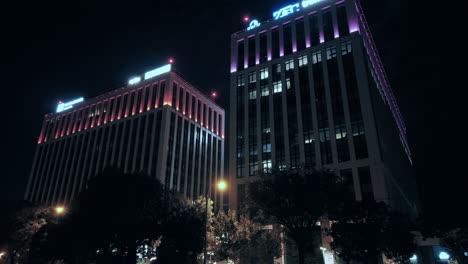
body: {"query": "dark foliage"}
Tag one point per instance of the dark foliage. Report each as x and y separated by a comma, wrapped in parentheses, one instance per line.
(119, 215)
(297, 200)
(363, 230)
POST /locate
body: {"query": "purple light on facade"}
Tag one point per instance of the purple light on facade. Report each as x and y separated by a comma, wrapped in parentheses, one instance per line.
(297, 18)
(239, 40)
(294, 46)
(263, 31)
(251, 36)
(233, 66)
(322, 37)
(339, 2)
(311, 13)
(328, 6)
(287, 22)
(353, 25)
(246, 62)
(269, 54)
(376, 63)
(336, 32)
(257, 58)
(308, 42)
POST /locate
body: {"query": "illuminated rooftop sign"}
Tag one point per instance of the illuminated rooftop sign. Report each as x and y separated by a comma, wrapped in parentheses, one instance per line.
(158, 71)
(134, 80)
(65, 106)
(287, 10)
(253, 24)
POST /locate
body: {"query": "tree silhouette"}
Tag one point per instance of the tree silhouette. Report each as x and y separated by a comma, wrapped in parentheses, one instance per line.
(362, 231)
(19, 222)
(297, 200)
(119, 215)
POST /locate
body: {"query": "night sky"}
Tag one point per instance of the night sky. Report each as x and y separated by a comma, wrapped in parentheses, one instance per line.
(61, 50)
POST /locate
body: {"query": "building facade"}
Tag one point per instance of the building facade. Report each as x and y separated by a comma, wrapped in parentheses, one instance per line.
(308, 89)
(158, 125)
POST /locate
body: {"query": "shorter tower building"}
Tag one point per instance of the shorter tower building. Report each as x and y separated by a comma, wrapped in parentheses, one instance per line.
(158, 125)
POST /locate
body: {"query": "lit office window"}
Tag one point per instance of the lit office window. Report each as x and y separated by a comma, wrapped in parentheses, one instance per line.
(277, 87)
(331, 52)
(252, 77)
(240, 80)
(316, 57)
(289, 65)
(346, 47)
(253, 94)
(288, 83)
(302, 60)
(263, 73)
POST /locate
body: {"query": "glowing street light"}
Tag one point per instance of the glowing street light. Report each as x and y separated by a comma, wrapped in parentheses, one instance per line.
(2, 254)
(221, 185)
(60, 210)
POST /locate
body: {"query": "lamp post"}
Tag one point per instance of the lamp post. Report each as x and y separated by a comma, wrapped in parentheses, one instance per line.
(221, 185)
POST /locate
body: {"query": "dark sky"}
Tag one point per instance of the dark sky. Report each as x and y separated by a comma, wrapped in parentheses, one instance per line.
(65, 49)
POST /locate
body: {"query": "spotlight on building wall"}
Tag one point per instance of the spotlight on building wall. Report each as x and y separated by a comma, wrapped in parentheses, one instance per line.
(171, 60)
(214, 95)
(246, 18)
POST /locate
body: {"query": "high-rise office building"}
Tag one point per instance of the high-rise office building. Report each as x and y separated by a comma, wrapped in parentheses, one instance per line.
(309, 90)
(158, 124)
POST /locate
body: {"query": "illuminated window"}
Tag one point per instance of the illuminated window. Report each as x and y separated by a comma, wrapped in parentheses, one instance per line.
(277, 87)
(266, 164)
(252, 77)
(266, 148)
(302, 60)
(253, 94)
(309, 137)
(346, 47)
(278, 68)
(267, 130)
(331, 52)
(288, 83)
(263, 73)
(240, 80)
(289, 65)
(316, 57)
(265, 91)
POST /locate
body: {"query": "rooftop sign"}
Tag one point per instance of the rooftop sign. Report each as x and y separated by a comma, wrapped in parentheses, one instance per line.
(65, 106)
(158, 71)
(287, 10)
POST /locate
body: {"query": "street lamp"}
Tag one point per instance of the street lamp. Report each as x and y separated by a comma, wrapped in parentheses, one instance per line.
(60, 210)
(221, 185)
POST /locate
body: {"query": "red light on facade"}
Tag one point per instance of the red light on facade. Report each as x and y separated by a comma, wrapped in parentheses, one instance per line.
(214, 94)
(246, 18)
(171, 60)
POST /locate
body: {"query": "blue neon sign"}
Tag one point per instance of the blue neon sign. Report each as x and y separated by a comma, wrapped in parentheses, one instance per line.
(65, 106)
(285, 11)
(253, 24)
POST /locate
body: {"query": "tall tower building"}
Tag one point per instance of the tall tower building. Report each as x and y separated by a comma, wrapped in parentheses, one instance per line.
(308, 89)
(158, 124)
